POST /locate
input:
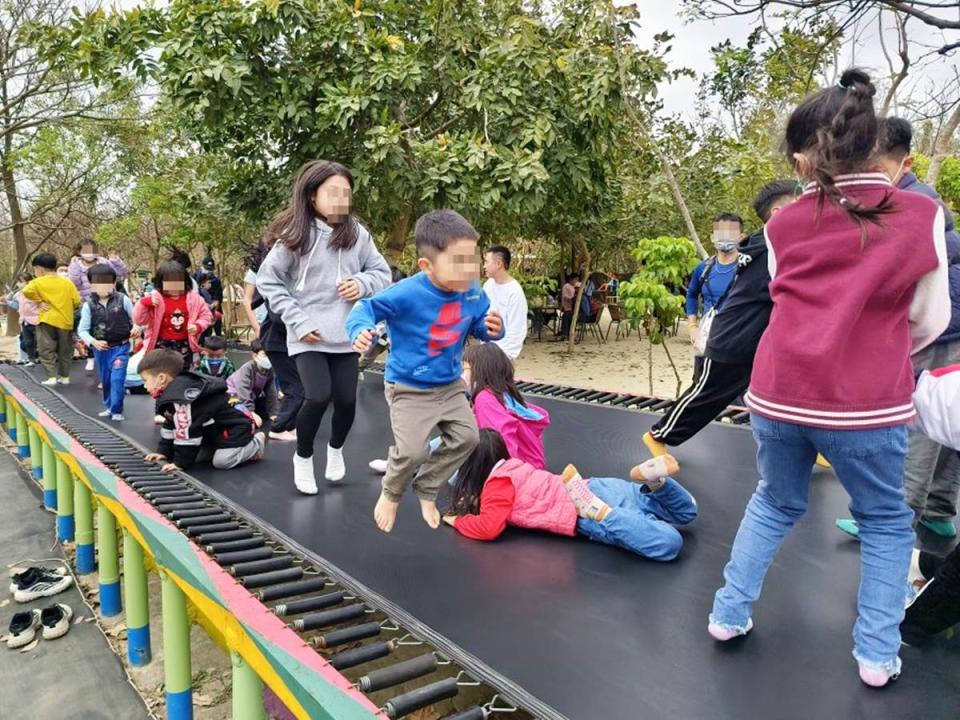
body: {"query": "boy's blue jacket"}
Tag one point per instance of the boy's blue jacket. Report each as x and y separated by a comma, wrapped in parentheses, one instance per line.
(428, 329)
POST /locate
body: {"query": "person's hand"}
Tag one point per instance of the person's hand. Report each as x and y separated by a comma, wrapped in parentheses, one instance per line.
(364, 341)
(43, 307)
(170, 467)
(101, 345)
(192, 329)
(693, 331)
(494, 323)
(450, 520)
(349, 290)
(312, 337)
(149, 300)
(135, 333)
(257, 420)
(155, 457)
(112, 256)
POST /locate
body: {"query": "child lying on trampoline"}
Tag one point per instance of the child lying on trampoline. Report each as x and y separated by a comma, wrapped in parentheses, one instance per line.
(494, 490)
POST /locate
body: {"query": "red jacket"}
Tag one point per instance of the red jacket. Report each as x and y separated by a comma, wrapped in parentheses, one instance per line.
(518, 494)
(151, 316)
(847, 312)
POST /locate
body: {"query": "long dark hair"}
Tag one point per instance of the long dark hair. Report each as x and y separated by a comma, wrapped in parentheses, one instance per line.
(172, 270)
(491, 369)
(837, 129)
(294, 226)
(474, 472)
(255, 254)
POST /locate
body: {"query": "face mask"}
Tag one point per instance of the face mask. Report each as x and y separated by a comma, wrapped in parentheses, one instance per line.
(725, 245)
(896, 176)
(214, 363)
(156, 392)
(262, 361)
(89, 257)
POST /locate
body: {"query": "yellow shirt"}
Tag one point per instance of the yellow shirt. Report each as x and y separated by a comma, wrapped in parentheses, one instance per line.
(59, 294)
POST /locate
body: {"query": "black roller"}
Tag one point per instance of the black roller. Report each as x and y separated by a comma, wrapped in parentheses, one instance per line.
(661, 404)
(347, 635)
(327, 618)
(291, 589)
(148, 477)
(231, 545)
(158, 489)
(420, 698)
(255, 567)
(197, 512)
(272, 578)
(393, 675)
(239, 556)
(360, 655)
(472, 713)
(159, 484)
(307, 604)
(210, 519)
(218, 537)
(161, 502)
(212, 528)
(176, 492)
(172, 507)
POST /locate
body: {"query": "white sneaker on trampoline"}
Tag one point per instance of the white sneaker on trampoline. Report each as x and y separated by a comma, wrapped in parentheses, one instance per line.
(89, 366)
(379, 466)
(63, 381)
(49, 381)
(117, 417)
(303, 476)
(104, 413)
(335, 466)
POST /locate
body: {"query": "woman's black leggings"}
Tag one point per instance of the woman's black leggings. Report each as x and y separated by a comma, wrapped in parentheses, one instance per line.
(325, 377)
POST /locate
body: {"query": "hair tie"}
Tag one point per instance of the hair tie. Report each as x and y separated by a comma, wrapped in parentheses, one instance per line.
(841, 85)
(844, 202)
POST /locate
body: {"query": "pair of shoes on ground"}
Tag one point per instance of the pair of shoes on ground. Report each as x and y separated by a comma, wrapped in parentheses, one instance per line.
(303, 475)
(51, 381)
(943, 528)
(39, 582)
(112, 415)
(53, 622)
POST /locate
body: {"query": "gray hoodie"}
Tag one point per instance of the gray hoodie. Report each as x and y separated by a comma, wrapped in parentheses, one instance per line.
(302, 288)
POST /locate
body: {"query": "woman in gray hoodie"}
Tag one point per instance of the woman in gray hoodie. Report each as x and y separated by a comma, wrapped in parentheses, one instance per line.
(321, 263)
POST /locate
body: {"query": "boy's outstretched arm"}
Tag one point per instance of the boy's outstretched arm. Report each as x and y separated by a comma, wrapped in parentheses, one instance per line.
(367, 313)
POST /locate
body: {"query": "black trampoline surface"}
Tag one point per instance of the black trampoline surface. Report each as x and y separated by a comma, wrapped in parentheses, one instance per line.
(593, 631)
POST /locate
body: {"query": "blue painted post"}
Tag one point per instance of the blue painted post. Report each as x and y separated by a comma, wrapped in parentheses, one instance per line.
(137, 602)
(176, 651)
(83, 512)
(109, 564)
(64, 497)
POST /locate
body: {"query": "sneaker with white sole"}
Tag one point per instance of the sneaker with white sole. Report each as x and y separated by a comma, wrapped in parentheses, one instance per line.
(284, 436)
(104, 413)
(336, 469)
(724, 633)
(29, 575)
(303, 476)
(23, 628)
(49, 381)
(379, 466)
(89, 366)
(63, 381)
(56, 621)
(117, 417)
(40, 586)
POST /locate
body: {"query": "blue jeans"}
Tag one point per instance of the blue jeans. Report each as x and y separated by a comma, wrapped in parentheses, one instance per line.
(869, 464)
(639, 521)
(112, 367)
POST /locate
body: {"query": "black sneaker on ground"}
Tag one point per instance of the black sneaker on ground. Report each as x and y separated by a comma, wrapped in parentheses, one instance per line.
(934, 609)
(56, 621)
(23, 628)
(41, 585)
(30, 574)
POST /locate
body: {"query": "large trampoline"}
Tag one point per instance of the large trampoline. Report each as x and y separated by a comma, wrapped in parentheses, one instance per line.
(592, 631)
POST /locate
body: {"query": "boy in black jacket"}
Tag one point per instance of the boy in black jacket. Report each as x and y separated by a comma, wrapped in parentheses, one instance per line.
(200, 424)
(734, 335)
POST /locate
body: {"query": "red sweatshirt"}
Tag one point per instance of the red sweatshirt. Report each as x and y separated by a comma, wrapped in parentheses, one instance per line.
(848, 312)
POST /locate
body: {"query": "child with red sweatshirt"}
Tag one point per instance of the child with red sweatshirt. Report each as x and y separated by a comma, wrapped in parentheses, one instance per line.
(494, 490)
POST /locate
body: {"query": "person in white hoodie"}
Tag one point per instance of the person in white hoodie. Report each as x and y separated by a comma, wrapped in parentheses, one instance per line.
(322, 261)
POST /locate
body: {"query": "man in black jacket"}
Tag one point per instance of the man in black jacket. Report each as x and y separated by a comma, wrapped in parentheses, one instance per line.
(734, 335)
(199, 422)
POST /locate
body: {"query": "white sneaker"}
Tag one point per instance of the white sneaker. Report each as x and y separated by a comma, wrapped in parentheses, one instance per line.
(56, 621)
(63, 381)
(23, 628)
(303, 475)
(117, 417)
(49, 381)
(378, 466)
(104, 413)
(89, 366)
(284, 436)
(335, 467)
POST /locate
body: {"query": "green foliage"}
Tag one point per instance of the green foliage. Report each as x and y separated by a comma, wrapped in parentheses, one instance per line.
(948, 184)
(650, 296)
(536, 288)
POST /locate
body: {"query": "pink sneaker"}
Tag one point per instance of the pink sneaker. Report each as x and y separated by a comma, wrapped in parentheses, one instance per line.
(875, 677)
(723, 634)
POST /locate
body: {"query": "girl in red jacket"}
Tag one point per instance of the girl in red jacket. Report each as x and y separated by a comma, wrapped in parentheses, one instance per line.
(494, 490)
(174, 315)
(858, 282)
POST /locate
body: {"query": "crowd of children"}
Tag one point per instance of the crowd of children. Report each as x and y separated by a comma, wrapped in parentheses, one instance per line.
(457, 416)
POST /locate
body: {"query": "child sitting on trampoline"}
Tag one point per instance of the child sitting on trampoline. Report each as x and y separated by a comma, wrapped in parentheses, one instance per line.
(200, 424)
(430, 316)
(494, 490)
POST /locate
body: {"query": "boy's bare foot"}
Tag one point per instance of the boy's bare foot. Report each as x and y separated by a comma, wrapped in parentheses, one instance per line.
(431, 516)
(385, 513)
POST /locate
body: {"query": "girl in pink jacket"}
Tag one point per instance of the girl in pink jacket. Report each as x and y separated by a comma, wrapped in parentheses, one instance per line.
(174, 315)
(494, 490)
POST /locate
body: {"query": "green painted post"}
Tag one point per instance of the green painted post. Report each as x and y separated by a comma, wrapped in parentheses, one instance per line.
(23, 437)
(36, 455)
(137, 602)
(247, 691)
(48, 473)
(109, 562)
(64, 491)
(3, 408)
(83, 508)
(176, 651)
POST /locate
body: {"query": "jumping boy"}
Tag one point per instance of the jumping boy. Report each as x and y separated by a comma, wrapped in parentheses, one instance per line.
(430, 316)
(199, 422)
(58, 300)
(106, 325)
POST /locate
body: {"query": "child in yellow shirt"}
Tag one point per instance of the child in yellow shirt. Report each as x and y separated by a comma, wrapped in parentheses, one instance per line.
(58, 300)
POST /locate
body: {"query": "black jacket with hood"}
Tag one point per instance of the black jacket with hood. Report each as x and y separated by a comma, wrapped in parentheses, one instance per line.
(198, 412)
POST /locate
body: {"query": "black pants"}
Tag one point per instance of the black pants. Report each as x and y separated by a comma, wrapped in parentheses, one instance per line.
(565, 323)
(28, 341)
(714, 387)
(289, 380)
(326, 377)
